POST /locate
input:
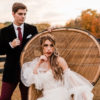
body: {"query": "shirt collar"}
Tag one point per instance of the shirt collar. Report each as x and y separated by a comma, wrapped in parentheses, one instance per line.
(21, 26)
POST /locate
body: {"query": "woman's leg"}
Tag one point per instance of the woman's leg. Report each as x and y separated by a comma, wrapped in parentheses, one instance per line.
(7, 90)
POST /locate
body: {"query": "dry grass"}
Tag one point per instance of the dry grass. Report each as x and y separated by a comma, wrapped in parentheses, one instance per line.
(16, 94)
(1, 64)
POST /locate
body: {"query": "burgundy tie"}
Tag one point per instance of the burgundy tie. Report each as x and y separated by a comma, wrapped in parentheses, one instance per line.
(19, 34)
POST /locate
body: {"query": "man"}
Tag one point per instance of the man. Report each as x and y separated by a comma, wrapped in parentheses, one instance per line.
(12, 40)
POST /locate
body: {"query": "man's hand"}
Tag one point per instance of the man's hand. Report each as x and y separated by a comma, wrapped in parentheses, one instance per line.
(50, 29)
(15, 43)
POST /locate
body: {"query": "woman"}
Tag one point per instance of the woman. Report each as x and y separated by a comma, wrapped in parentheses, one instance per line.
(50, 73)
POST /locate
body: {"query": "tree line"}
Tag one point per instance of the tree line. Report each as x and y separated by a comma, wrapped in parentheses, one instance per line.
(88, 20)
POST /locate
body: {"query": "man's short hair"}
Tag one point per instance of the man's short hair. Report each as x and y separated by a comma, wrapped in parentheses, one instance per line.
(16, 6)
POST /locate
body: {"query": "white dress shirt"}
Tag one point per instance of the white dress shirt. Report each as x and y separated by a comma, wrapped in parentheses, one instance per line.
(16, 32)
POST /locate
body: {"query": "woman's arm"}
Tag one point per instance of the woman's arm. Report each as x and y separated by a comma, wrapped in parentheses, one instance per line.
(28, 77)
(76, 84)
(35, 69)
(42, 59)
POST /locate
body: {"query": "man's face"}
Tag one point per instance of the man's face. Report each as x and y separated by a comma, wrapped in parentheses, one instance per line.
(19, 16)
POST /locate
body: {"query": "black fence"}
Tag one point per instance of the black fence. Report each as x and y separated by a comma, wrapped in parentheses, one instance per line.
(2, 59)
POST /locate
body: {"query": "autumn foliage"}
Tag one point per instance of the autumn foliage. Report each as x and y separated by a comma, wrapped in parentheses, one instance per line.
(88, 20)
(42, 26)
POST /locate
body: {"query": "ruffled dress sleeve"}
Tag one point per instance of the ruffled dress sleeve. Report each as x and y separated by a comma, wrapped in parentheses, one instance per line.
(28, 77)
(77, 85)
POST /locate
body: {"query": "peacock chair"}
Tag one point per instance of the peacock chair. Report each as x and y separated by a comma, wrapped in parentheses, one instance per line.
(79, 48)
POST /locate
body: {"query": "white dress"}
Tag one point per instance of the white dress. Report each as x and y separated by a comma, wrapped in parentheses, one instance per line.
(73, 83)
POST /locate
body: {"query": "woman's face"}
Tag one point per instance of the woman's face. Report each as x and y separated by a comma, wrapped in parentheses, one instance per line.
(48, 48)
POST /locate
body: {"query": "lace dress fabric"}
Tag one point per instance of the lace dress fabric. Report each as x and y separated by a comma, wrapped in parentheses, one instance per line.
(72, 83)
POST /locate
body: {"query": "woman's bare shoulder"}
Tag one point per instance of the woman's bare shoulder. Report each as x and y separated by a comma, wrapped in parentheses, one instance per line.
(60, 59)
(62, 62)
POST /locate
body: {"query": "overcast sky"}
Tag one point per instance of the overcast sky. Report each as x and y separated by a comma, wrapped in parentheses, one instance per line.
(55, 12)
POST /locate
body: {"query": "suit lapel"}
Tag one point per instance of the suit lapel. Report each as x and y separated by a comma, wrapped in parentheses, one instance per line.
(12, 32)
(25, 32)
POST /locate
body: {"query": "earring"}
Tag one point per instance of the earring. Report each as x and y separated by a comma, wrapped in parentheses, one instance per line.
(55, 53)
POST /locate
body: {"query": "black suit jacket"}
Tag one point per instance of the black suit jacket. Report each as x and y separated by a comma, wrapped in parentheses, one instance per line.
(12, 64)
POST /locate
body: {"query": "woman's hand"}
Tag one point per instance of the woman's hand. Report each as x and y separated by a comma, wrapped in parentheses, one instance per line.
(42, 59)
(84, 96)
(35, 71)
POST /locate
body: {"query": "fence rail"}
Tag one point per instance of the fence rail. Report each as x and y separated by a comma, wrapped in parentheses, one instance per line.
(2, 60)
